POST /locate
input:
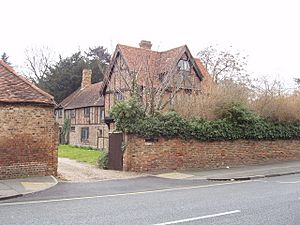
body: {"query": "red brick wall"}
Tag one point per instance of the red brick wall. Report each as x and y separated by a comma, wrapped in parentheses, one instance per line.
(28, 141)
(171, 154)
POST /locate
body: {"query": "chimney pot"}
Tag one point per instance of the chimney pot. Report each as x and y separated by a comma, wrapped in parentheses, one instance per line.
(145, 44)
(86, 78)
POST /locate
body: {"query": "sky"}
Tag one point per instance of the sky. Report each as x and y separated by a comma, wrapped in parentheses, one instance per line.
(266, 31)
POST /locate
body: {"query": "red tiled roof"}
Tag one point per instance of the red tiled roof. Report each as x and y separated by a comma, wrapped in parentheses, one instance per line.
(202, 69)
(86, 97)
(158, 62)
(208, 80)
(137, 59)
(16, 89)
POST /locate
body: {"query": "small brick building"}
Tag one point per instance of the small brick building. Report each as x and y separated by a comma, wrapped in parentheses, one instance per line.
(28, 131)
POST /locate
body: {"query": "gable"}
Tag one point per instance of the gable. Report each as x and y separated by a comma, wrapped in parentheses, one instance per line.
(147, 62)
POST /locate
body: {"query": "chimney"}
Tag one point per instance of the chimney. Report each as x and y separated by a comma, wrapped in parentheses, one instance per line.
(145, 44)
(86, 78)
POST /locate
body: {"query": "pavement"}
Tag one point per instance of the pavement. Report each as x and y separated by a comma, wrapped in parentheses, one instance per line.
(238, 173)
(18, 187)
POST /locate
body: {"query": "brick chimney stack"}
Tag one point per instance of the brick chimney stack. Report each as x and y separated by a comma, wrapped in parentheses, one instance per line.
(145, 44)
(86, 78)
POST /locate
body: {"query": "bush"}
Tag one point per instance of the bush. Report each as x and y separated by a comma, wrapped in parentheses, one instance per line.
(236, 122)
(103, 161)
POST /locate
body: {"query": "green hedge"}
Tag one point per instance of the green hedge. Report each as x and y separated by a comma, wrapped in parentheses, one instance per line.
(237, 123)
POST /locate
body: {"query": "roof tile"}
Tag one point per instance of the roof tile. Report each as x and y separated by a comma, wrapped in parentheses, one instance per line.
(15, 88)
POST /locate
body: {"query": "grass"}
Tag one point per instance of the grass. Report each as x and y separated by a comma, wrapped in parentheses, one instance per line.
(79, 154)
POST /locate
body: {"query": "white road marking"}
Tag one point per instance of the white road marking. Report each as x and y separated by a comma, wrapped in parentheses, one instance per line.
(288, 182)
(123, 194)
(199, 218)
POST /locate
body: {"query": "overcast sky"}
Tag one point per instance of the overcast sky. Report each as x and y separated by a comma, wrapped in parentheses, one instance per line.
(266, 31)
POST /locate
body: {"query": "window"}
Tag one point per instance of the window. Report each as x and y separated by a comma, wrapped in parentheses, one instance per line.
(86, 112)
(102, 114)
(72, 129)
(183, 65)
(162, 76)
(72, 113)
(84, 133)
(119, 96)
(59, 112)
(100, 133)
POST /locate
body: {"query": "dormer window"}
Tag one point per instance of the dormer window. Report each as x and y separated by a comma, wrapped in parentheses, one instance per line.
(183, 65)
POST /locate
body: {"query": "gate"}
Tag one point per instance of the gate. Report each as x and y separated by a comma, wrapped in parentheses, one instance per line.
(115, 154)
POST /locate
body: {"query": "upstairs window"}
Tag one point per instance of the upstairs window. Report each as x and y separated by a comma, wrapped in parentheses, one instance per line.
(86, 112)
(184, 65)
(119, 96)
(72, 113)
(162, 76)
(60, 113)
(102, 114)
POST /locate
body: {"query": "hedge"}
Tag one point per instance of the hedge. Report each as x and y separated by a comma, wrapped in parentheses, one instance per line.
(237, 123)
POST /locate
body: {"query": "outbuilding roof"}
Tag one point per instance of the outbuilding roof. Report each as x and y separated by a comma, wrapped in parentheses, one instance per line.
(14, 88)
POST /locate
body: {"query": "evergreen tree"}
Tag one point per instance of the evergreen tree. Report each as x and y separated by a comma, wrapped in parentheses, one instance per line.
(64, 77)
(4, 58)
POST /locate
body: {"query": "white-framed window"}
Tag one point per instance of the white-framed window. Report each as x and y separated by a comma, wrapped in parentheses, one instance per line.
(60, 113)
(119, 96)
(184, 65)
(102, 114)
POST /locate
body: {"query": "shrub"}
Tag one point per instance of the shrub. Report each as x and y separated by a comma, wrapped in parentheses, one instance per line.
(236, 122)
(211, 106)
(103, 161)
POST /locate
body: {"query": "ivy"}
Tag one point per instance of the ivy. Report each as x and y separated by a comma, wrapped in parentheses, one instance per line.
(237, 122)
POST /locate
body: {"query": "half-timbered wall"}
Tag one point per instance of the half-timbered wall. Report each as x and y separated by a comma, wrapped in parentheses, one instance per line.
(97, 129)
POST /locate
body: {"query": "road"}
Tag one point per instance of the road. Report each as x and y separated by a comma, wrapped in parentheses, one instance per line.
(151, 200)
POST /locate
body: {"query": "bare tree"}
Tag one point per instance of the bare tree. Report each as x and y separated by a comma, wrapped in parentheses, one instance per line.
(224, 64)
(268, 88)
(38, 62)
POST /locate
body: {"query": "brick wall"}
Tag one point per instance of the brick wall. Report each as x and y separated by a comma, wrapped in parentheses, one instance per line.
(28, 140)
(172, 154)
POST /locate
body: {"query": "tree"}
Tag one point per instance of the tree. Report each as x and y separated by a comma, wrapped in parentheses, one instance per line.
(224, 64)
(4, 58)
(37, 63)
(297, 81)
(64, 77)
(99, 56)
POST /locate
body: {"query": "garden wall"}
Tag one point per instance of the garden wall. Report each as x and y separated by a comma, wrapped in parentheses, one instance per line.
(178, 154)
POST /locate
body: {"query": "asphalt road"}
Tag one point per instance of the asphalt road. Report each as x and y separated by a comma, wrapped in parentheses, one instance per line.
(150, 200)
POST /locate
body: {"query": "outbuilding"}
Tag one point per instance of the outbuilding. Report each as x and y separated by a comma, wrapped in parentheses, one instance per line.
(28, 131)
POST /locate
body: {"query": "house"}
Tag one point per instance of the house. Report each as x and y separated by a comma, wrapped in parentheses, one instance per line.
(29, 133)
(170, 73)
(84, 109)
